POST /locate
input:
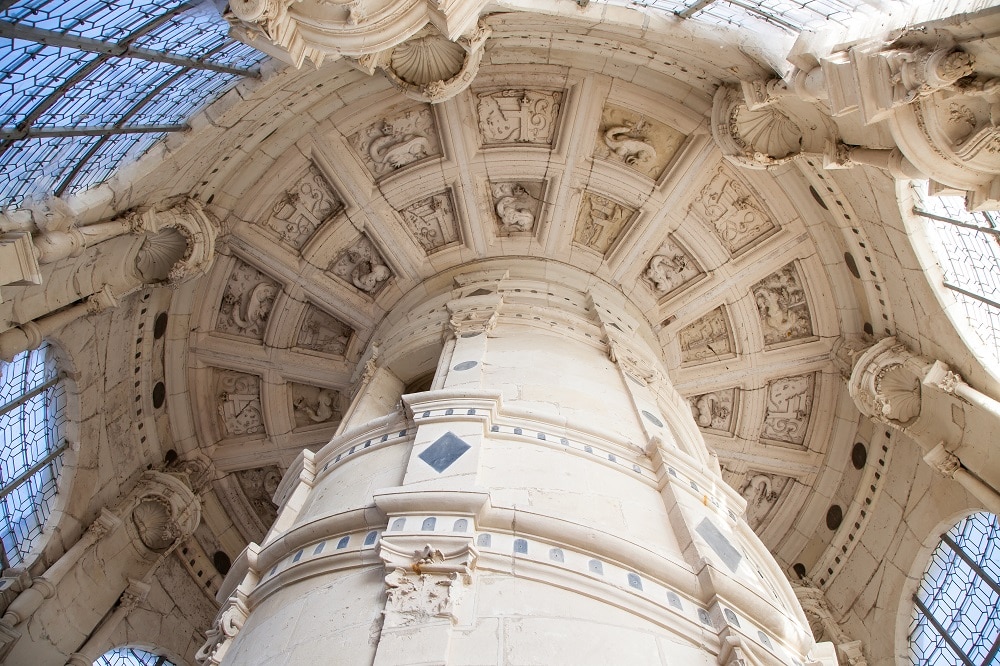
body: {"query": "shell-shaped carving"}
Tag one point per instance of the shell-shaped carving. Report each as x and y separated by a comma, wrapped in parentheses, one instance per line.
(159, 253)
(900, 388)
(427, 59)
(252, 10)
(153, 520)
(769, 132)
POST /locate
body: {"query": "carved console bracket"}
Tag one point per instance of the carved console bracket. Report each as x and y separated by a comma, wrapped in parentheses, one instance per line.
(930, 97)
(428, 49)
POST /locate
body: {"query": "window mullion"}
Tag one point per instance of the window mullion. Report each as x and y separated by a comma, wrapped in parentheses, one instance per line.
(942, 632)
(982, 573)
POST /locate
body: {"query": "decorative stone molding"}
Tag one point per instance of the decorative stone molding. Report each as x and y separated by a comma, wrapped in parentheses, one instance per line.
(782, 306)
(323, 333)
(706, 339)
(886, 383)
(473, 315)
(825, 627)
(936, 104)
(600, 222)
(427, 582)
(397, 140)
(518, 117)
(164, 512)
(789, 405)
(362, 265)
(228, 622)
(177, 263)
(293, 32)
(430, 67)
(733, 212)
(517, 206)
(432, 222)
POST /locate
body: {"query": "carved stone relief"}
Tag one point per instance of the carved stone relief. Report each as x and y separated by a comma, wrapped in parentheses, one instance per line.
(670, 268)
(715, 411)
(258, 486)
(362, 265)
(784, 311)
(239, 406)
(732, 212)
(412, 599)
(517, 205)
(600, 222)
(432, 222)
(302, 208)
(789, 404)
(153, 520)
(396, 141)
(323, 333)
(762, 492)
(246, 302)
(312, 405)
(706, 339)
(637, 141)
(518, 116)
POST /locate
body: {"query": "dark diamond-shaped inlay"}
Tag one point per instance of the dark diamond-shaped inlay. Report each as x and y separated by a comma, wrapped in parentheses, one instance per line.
(448, 448)
(719, 543)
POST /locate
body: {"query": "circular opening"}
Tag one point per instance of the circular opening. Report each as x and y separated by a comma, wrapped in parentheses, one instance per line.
(859, 455)
(868, 328)
(160, 325)
(817, 197)
(799, 569)
(834, 517)
(159, 395)
(222, 562)
(170, 457)
(852, 265)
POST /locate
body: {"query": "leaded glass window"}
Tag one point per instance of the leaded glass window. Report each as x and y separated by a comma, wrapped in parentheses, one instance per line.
(956, 616)
(967, 245)
(130, 656)
(32, 415)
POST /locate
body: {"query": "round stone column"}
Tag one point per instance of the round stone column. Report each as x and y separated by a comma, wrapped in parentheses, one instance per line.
(549, 500)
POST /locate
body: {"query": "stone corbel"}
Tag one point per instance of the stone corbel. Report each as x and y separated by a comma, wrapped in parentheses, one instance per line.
(30, 334)
(753, 130)
(430, 50)
(228, 622)
(425, 583)
(474, 314)
(164, 512)
(949, 465)
(886, 383)
(193, 226)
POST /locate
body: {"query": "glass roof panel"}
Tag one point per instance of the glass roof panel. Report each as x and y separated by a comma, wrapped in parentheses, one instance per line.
(106, 20)
(34, 167)
(191, 34)
(109, 92)
(173, 106)
(50, 88)
(792, 15)
(111, 151)
(30, 72)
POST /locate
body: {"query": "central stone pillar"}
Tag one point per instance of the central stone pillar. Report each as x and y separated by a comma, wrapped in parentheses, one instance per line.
(549, 500)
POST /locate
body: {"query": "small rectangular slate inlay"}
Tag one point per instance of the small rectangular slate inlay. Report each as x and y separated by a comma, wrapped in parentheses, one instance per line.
(448, 448)
(719, 543)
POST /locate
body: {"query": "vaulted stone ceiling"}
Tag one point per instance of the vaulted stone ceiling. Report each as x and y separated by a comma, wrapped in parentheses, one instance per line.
(587, 146)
